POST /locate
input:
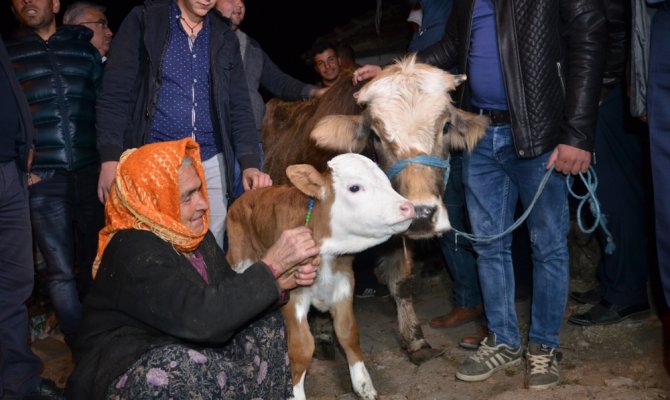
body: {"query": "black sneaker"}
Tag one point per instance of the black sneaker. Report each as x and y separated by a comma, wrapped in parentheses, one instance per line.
(488, 359)
(541, 367)
(605, 313)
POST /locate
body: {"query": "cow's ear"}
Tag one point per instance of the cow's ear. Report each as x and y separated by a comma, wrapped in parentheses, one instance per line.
(341, 133)
(465, 129)
(307, 179)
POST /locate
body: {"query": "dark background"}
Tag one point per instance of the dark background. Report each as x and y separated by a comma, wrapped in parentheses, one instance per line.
(285, 29)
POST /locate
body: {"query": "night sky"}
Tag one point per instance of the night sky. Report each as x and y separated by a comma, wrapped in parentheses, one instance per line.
(279, 26)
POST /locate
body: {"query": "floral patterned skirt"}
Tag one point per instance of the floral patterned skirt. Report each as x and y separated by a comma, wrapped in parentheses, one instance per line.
(252, 365)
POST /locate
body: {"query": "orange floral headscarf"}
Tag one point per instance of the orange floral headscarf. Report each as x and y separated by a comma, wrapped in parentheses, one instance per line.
(145, 195)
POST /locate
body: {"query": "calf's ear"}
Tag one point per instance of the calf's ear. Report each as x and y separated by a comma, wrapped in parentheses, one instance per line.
(465, 129)
(307, 179)
(341, 133)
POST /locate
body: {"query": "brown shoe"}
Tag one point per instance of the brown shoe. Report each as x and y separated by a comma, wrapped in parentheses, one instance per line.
(456, 317)
(472, 342)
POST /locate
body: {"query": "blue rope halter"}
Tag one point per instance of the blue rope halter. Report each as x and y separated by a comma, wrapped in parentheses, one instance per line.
(430, 161)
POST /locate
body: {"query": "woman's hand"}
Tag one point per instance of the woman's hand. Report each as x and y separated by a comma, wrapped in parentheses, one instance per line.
(295, 247)
(304, 275)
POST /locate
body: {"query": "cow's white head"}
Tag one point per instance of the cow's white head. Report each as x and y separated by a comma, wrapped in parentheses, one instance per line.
(406, 107)
(364, 209)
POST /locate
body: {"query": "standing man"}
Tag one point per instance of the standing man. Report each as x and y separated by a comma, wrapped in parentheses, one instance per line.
(658, 96)
(326, 63)
(622, 190)
(179, 74)
(261, 72)
(59, 71)
(19, 367)
(92, 16)
(517, 59)
(536, 70)
(458, 254)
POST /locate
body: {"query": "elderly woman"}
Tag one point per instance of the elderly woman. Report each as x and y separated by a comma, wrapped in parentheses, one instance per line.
(167, 317)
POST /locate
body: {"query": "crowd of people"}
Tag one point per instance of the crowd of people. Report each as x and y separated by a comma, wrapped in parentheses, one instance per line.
(120, 152)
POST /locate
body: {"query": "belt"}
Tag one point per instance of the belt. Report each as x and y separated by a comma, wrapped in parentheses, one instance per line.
(497, 116)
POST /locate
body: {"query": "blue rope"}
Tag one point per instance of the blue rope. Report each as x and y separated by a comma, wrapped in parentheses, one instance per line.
(591, 184)
(590, 181)
(429, 161)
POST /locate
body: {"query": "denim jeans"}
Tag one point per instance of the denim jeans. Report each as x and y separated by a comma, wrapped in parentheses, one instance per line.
(458, 254)
(66, 217)
(494, 180)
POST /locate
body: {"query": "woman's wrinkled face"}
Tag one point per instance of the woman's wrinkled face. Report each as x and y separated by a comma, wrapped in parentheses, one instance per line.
(192, 204)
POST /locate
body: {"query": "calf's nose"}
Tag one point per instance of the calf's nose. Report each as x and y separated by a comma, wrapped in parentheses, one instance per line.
(407, 210)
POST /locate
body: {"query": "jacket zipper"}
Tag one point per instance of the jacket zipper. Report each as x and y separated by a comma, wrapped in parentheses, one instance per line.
(559, 69)
(65, 119)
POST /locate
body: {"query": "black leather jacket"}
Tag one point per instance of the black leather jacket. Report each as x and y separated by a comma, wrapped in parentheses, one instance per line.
(60, 78)
(552, 54)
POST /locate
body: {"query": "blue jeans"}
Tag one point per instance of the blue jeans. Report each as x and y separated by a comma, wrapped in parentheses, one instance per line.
(459, 255)
(65, 211)
(494, 180)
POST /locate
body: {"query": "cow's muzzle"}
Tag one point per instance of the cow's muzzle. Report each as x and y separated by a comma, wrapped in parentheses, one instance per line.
(424, 222)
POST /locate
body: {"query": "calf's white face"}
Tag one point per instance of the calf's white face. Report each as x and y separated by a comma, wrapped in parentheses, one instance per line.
(366, 211)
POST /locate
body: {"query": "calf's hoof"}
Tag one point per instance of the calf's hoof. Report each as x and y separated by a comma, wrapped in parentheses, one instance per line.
(425, 354)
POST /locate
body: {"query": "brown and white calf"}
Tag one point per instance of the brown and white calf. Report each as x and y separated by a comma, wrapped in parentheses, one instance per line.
(354, 208)
(398, 115)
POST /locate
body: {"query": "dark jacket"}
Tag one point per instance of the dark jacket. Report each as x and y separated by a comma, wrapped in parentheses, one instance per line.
(60, 78)
(617, 13)
(147, 295)
(131, 86)
(552, 54)
(25, 139)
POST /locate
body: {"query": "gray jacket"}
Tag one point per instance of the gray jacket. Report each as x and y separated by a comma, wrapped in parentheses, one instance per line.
(261, 72)
(641, 16)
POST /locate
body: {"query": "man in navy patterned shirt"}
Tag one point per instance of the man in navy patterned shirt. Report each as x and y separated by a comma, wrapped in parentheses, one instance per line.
(176, 67)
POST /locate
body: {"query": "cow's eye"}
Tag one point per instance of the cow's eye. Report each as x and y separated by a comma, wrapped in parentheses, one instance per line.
(354, 188)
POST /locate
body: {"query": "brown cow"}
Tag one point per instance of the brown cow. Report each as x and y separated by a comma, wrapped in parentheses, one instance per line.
(354, 207)
(401, 113)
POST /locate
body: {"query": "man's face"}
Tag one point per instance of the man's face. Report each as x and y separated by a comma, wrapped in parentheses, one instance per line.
(233, 9)
(327, 65)
(36, 14)
(192, 205)
(196, 8)
(97, 22)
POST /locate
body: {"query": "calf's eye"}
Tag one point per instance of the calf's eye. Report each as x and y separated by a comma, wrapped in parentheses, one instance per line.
(354, 188)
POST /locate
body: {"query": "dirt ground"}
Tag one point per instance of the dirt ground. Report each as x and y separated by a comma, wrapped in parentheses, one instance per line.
(615, 362)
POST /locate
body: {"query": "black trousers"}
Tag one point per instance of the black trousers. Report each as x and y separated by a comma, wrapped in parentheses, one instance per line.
(623, 194)
(19, 367)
